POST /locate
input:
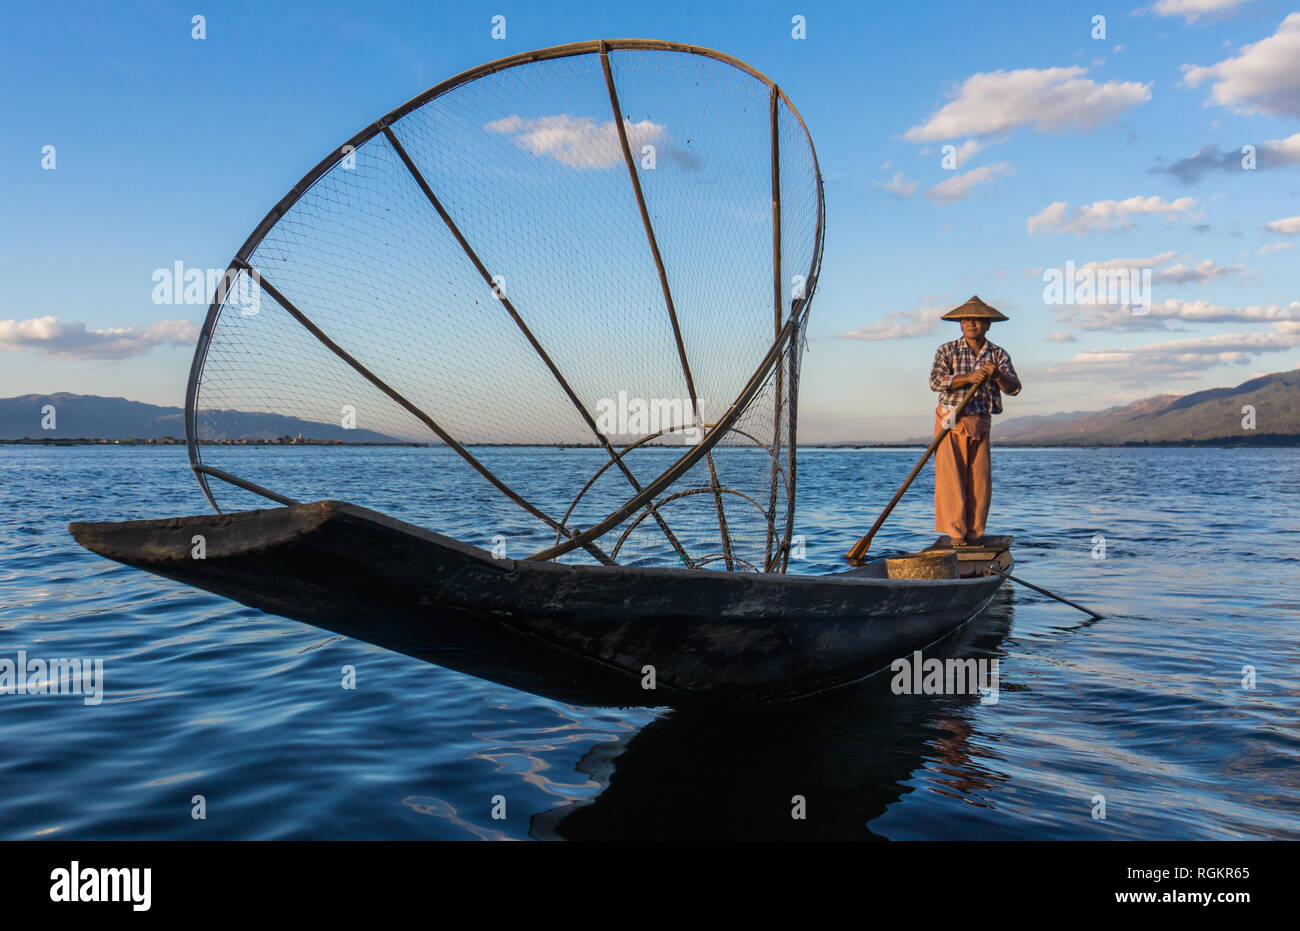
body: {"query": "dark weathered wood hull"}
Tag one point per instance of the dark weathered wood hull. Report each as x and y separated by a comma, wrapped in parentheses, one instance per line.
(583, 634)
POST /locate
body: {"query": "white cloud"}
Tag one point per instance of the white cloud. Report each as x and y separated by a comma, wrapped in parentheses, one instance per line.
(897, 186)
(51, 337)
(1152, 261)
(966, 151)
(1284, 151)
(902, 324)
(1262, 79)
(1049, 99)
(1205, 312)
(1271, 247)
(1275, 153)
(1192, 10)
(1175, 359)
(577, 141)
(1289, 226)
(1105, 215)
(1061, 336)
(1173, 311)
(958, 186)
(1202, 272)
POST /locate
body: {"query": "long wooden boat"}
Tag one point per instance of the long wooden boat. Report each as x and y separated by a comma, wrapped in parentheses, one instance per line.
(585, 634)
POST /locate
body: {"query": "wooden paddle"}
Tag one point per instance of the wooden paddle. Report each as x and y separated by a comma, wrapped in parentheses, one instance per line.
(857, 555)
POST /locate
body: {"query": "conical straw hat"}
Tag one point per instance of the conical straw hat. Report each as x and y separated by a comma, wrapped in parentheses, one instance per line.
(977, 309)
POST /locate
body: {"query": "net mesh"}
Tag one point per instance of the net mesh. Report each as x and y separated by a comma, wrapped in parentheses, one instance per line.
(575, 377)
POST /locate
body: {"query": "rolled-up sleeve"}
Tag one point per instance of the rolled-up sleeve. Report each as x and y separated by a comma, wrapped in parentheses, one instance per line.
(1009, 371)
(941, 373)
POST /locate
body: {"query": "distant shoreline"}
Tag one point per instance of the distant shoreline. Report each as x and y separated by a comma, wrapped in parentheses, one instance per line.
(174, 441)
(1263, 439)
(1266, 440)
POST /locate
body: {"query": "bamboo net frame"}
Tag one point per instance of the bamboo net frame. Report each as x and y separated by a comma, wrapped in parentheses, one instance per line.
(776, 373)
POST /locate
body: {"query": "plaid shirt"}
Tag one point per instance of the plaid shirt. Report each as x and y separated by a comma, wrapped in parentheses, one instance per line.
(957, 358)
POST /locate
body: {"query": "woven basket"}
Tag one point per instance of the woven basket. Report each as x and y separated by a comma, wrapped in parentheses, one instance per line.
(941, 565)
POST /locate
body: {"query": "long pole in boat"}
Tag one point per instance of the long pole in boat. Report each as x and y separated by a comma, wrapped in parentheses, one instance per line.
(1043, 591)
(857, 555)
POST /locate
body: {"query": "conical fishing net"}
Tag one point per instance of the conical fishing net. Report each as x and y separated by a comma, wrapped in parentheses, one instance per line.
(589, 337)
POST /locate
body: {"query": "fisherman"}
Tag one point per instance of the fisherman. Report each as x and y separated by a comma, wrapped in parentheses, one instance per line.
(963, 478)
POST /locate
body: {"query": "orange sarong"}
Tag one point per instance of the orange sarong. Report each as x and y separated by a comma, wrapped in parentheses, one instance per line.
(963, 478)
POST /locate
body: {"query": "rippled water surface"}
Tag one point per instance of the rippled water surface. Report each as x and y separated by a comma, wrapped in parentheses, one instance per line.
(1146, 708)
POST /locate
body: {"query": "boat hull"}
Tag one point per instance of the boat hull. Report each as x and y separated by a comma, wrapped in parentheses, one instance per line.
(596, 635)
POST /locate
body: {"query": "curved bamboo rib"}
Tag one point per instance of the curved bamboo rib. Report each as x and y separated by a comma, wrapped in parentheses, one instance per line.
(604, 466)
(679, 468)
(424, 418)
(245, 484)
(663, 283)
(714, 557)
(675, 496)
(653, 436)
(523, 327)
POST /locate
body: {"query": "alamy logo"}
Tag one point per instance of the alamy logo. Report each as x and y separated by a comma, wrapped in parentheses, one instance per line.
(181, 285)
(1121, 287)
(56, 676)
(103, 884)
(624, 416)
(916, 675)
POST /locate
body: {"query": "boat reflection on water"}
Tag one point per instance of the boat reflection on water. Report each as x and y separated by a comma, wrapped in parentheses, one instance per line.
(710, 774)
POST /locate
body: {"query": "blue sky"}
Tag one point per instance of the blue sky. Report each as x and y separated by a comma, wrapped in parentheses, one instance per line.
(171, 149)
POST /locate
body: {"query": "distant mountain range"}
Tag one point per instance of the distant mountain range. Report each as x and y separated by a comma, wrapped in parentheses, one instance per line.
(1214, 416)
(1211, 417)
(83, 416)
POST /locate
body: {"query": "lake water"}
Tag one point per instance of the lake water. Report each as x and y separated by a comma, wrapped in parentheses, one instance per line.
(1146, 708)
